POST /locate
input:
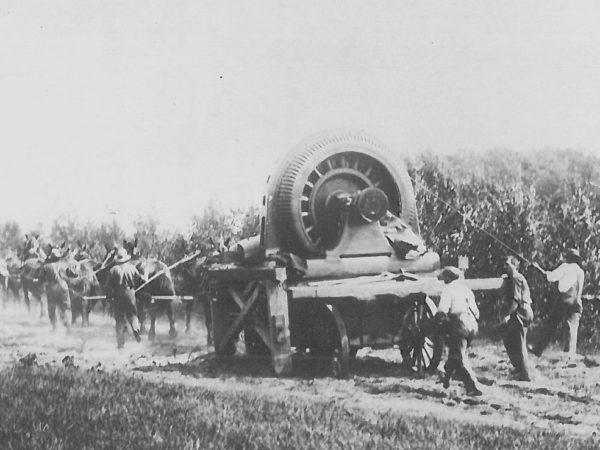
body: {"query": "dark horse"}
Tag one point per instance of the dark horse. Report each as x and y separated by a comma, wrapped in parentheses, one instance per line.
(85, 285)
(32, 258)
(4, 278)
(10, 277)
(195, 283)
(161, 285)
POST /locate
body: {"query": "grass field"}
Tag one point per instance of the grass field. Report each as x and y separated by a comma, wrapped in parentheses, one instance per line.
(49, 407)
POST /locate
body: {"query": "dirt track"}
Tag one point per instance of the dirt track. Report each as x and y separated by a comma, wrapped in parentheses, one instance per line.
(564, 394)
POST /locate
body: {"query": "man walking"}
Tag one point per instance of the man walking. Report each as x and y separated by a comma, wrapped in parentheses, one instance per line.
(120, 285)
(517, 315)
(457, 304)
(54, 273)
(567, 306)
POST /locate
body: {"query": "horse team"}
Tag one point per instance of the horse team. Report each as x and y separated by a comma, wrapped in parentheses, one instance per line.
(86, 280)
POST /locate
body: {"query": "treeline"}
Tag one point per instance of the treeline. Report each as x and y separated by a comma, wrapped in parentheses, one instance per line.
(488, 205)
(215, 222)
(535, 205)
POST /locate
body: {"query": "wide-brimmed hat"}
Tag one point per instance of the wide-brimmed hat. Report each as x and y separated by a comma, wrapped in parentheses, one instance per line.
(54, 255)
(573, 253)
(122, 256)
(449, 273)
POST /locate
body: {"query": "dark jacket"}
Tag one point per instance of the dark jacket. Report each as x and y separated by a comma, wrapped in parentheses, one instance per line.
(122, 281)
(516, 293)
(55, 276)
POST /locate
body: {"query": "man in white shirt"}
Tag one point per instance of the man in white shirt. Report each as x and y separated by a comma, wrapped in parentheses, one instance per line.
(567, 306)
(457, 303)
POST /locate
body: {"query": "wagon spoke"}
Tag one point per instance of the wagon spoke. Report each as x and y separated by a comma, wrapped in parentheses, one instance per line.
(416, 346)
(425, 350)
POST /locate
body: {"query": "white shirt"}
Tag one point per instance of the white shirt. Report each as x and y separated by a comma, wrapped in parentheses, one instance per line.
(457, 298)
(568, 275)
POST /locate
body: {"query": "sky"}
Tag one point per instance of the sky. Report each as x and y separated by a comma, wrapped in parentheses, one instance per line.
(114, 109)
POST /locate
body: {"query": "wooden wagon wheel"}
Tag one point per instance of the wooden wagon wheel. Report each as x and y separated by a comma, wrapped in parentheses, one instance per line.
(417, 342)
(330, 340)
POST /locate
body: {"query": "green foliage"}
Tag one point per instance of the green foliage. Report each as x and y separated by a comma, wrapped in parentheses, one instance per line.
(95, 236)
(57, 408)
(497, 203)
(488, 206)
(11, 236)
(216, 224)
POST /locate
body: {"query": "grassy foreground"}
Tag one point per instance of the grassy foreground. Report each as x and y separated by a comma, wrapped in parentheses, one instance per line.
(64, 408)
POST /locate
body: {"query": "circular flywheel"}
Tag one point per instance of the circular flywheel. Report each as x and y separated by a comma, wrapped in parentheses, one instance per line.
(307, 222)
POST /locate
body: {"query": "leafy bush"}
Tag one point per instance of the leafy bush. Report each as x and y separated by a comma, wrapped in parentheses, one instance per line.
(497, 203)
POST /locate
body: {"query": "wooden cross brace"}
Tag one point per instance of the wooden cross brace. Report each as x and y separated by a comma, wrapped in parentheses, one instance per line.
(245, 307)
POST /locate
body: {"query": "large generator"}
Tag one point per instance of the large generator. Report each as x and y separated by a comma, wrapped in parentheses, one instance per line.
(339, 263)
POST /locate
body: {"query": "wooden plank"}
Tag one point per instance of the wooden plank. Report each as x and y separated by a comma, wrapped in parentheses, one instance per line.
(186, 298)
(94, 297)
(279, 323)
(484, 284)
(263, 332)
(238, 273)
(218, 314)
(369, 292)
(239, 319)
(236, 297)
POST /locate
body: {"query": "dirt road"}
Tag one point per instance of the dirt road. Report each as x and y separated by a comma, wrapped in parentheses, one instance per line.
(565, 394)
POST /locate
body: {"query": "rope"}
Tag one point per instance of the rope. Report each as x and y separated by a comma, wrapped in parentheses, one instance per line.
(515, 252)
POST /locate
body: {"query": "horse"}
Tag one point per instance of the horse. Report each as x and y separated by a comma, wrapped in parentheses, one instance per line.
(32, 258)
(58, 270)
(85, 285)
(161, 284)
(10, 278)
(101, 270)
(4, 277)
(195, 283)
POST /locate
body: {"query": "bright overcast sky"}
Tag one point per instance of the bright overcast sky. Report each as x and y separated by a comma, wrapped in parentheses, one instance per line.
(154, 107)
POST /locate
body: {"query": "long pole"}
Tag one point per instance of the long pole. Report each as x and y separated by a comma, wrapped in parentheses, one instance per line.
(156, 275)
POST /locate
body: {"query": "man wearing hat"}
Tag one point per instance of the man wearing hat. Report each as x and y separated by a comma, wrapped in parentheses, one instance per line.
(120, 286)
(457, 305)
(518, 314)
(54, 273)
(567, 306)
